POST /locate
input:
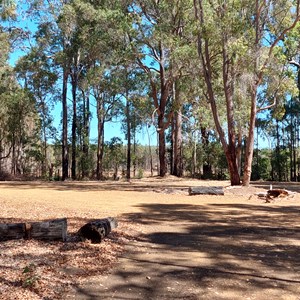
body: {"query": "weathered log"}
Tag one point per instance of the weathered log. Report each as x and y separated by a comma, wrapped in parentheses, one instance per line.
(12, 231)
(46, 230)
(206, 190)
(96, 230)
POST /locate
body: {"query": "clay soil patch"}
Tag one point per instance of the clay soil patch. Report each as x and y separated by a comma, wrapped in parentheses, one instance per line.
(168, 245)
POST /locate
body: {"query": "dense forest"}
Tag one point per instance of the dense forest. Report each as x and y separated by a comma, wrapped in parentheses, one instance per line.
(219, 80)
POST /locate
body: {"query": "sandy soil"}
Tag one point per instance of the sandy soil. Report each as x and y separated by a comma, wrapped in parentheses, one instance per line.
(168, 245)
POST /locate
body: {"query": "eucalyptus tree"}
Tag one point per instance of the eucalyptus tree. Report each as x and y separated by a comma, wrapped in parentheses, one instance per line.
(36, 71)
(18, 123)
(290, 126)
(105, 92)
(136, 108)
(238, 43)
(14, 100)
(94, 33)
(156, 39)
(6, 96)
(48, 15)
(115, 156)
(70, 23)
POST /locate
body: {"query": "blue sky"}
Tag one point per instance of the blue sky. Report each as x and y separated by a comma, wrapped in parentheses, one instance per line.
(112, 129)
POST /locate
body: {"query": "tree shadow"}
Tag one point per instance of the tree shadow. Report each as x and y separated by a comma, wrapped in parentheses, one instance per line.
(89, 186)
(198, 251)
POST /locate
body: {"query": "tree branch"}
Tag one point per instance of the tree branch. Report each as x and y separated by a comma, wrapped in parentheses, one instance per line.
(295, 63)
(8, 154)
(279, 38)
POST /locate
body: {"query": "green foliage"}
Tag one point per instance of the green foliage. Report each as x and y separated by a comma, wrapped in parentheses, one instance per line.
(261, 169)
(30, 278)
(141, 50)
(7, 9)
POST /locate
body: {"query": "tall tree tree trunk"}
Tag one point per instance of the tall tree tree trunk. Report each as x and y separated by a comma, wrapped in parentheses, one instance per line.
(65, 154)
(100, 145)
(150, 151)
(86, 135)
(239, 151)
(162, 146)
(45, 160)
(194, 156)
(250, 140)
(177, 164)
(128, 170)
(207, 171)
(134, 154)
(74, 126)
(206, 60)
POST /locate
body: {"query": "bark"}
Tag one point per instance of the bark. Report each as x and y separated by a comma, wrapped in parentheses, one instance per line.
(45, 160)
(194, 158)
(86, 133)
(232, 165)
(177, 169)
(239, 151)
(128, 138)
(12, 231)
(134, 154)
(207, 171)
(150, 152)
(100, 150)
(250, 141)
(162, 147)
(228, 85)
(74, 126)
(65, 154)
(46, 230)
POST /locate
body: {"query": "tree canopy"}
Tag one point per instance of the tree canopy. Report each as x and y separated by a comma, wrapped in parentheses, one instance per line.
(211, 77)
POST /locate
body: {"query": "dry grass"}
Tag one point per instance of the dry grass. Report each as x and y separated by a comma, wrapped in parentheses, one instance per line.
(48, 270)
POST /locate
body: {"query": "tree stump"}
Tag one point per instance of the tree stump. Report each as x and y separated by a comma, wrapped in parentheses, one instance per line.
(96, 230)
(46, 230)
(206, 190)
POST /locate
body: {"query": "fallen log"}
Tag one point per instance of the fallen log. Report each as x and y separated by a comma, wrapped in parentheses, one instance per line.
(277, 193)
(206, 190)
(46, 230)
(96, 230)
(12, 231)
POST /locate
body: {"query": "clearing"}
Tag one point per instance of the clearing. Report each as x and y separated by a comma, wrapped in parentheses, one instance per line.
(168, 245)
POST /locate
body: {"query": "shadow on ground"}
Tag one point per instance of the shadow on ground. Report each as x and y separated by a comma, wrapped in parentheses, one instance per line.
(215, 251)
(155, 185)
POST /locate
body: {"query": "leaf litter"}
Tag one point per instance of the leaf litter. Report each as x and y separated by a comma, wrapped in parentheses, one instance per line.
(32, 269)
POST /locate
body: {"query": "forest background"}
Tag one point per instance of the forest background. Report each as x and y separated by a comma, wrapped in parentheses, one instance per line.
(191, 83)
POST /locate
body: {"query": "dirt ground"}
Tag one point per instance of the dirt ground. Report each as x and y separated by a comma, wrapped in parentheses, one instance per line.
(168, 245)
